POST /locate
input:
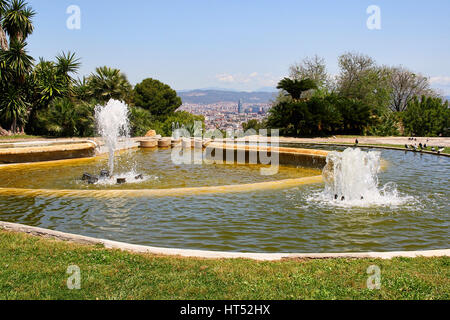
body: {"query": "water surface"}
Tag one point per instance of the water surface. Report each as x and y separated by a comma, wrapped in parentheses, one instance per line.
(290, 220)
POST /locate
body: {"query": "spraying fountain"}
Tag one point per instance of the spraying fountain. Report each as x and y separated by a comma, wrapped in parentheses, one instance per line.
(112, 124)
(352, 177)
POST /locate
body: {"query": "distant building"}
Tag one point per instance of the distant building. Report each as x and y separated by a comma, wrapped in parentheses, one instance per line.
(240, 107)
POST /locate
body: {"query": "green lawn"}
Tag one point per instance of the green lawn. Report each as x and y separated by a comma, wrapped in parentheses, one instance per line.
(35, 268)
(20, 137)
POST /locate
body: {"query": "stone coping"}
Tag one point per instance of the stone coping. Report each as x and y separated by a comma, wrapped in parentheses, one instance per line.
(39, 151)
(49, 148)
(188, 253)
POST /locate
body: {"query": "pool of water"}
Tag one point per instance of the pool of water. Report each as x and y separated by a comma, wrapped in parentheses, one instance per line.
(290, 220)
(156, 167)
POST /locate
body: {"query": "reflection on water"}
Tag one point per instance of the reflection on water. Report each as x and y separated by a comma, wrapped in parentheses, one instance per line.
(266, 221)
(156, 166)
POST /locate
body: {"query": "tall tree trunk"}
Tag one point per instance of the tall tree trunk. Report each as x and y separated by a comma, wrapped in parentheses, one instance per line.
(3, 40)
(14, 126)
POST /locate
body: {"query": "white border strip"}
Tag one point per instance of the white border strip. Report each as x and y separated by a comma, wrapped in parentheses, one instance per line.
(40, 232)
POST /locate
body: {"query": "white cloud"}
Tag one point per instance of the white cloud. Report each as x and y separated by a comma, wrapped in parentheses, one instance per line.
(442, 83)
(441, 80)
(225, 78)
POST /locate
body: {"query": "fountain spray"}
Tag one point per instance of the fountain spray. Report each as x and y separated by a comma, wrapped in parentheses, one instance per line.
(112, 124)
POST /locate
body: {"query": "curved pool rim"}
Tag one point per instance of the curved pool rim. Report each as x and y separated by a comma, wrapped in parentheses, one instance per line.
(204, 254)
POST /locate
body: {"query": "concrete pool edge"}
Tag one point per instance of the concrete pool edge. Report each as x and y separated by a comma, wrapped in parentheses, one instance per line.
(201, 254)
(174, 192)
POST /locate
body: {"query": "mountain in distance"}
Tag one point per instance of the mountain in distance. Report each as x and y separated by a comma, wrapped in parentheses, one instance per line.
(216, 95)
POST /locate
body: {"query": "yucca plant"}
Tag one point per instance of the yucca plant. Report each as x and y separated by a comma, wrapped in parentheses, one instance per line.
(17, 20)
(66, 65)
(13, 108)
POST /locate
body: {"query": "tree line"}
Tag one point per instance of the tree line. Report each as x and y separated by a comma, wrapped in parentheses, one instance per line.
(44, 98)
(363, 99)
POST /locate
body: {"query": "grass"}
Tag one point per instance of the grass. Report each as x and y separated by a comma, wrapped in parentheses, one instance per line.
(35, 268)
(20, 137)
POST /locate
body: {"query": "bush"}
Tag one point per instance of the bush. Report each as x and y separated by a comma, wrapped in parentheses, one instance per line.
(64, 118)
(387, 125)
(141, 121)
(180, 119)
(427, 116)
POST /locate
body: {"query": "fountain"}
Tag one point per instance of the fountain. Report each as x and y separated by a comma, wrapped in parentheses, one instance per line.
(112, 124)
(352, 177)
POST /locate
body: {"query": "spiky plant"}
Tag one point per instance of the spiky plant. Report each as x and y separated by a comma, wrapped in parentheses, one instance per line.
(295, 88)
(108, 83)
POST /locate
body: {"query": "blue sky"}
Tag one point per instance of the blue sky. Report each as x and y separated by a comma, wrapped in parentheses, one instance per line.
(246, 44)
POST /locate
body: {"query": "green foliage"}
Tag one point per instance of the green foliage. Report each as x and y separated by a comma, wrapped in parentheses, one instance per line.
(13, 107)
(427, 117)
(356, 115)
(108, 83)
(48, 83)
(253, 125)
(15, 66)
(156, 97)
(63, 118)
(17, 20)
(141, 121)
(330, 114)
(295, 88)
(180, 119)
(386, 125)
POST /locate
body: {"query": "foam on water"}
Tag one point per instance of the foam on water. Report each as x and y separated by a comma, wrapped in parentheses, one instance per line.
(129, 176)
(351, 179)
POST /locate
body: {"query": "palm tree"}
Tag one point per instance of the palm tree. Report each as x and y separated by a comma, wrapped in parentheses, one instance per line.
(17, 60)
(18, 20)
(13, 108)
(47, 83)
(81, 89)
(295, 88)
(3, 40)
(15, 67)
(66, 63)
(64, 118)
(107, 83)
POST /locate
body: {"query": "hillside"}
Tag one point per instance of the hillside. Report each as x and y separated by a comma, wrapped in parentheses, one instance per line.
(215, 96)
